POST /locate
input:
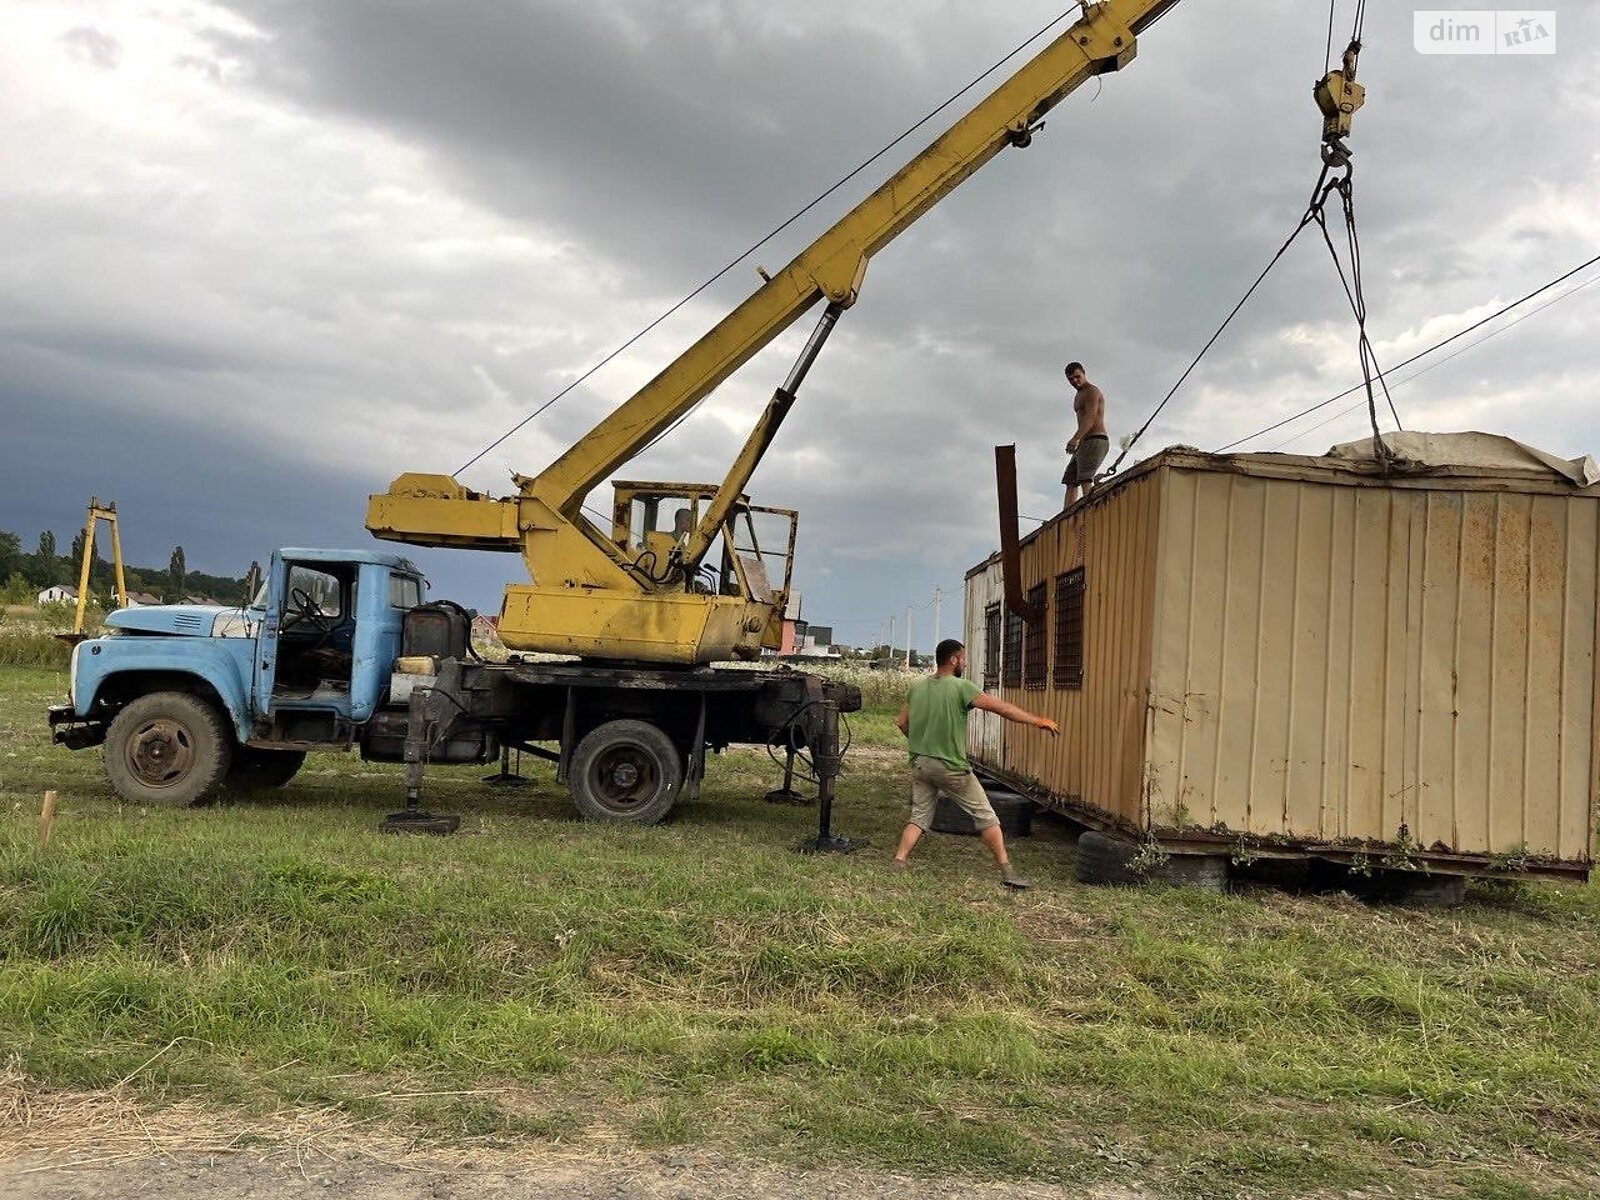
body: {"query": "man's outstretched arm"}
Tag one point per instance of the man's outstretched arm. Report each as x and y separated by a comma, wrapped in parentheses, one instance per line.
(1011, 712)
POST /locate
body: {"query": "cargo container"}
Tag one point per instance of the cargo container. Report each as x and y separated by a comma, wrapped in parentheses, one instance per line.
(1281, 655)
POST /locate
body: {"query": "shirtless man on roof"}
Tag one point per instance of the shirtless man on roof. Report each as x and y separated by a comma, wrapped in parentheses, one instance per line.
(1090, 443)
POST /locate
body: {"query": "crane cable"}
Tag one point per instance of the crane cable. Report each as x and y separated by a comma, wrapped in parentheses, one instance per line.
(1319, 195)
(1325, 186)
(734, 262)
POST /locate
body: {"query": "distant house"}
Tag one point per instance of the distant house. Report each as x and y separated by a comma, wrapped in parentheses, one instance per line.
(59, 594)
(196, 599)
(793, 626)
(142, 599)
(817, 642)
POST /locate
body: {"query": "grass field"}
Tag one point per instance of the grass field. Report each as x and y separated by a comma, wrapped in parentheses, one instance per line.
(698, 983)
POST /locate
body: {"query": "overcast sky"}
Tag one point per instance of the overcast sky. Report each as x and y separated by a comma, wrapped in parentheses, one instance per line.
(261, 256)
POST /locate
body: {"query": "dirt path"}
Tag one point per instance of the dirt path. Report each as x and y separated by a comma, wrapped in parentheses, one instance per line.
(353, 1174)
(111, 1146)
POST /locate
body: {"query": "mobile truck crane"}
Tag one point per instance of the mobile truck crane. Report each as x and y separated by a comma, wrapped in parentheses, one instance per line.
(338, 649)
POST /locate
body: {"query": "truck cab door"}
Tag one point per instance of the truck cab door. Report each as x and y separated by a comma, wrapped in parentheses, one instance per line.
(265, 671)
(383, 598)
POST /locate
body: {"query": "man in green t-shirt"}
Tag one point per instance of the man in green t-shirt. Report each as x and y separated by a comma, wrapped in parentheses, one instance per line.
(934, 720)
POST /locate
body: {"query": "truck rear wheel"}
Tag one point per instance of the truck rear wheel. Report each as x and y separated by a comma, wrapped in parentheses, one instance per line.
(255, 770)
(167, 748)
(625, 771)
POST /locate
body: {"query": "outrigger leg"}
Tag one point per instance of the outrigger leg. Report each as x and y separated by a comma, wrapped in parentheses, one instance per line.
(422, 728)
(822, 735)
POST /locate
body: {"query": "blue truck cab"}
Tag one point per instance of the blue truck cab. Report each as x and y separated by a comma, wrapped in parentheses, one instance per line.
(189, 699)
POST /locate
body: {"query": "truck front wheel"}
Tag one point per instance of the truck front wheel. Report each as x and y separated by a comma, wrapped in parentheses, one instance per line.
(625, 771)
(167, 748)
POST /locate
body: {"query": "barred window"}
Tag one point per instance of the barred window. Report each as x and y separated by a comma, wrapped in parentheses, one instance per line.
(991, 645)
(1011, 660)
(1069, 630)
(1034, 668)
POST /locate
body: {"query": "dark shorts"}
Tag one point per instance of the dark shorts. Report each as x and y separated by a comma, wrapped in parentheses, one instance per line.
(1086, 460)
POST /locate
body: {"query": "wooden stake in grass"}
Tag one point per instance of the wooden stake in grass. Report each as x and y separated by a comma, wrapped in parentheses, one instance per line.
(47, 818)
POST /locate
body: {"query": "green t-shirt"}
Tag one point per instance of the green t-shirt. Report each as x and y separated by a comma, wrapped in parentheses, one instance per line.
(938, 724)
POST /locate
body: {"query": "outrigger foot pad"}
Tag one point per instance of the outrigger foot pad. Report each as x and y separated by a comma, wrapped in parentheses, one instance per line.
(786, 796)
(506, 779)
(831, 844)
(415, 821)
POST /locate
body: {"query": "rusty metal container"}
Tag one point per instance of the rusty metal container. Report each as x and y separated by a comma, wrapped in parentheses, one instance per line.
(1312, 655)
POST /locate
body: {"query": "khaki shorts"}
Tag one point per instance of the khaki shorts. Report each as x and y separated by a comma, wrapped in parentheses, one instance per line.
(930, 777)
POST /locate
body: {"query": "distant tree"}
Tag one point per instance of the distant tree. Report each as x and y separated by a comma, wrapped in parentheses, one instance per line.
(17, 590)
(45, 569)
(97, 565)
(175, 574)
(10, 553)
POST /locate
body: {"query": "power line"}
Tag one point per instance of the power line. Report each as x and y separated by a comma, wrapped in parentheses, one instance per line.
(1454, 354)
(1460, 333)
(734, 262)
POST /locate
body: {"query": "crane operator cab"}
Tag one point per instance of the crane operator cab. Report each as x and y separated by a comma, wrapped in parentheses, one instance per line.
(751, 558)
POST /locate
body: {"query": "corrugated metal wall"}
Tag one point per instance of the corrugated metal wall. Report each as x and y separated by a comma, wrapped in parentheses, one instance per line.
(1333, 661)
(1098, 760)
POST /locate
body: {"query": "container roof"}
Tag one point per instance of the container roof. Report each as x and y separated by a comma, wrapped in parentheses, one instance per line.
(1499, 461)
(1472, 452)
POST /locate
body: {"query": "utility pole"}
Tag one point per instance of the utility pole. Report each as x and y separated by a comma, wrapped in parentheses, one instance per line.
(889, 642)
(908, 639)
(936, 619)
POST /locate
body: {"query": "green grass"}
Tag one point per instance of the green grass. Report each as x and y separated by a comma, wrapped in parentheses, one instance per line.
(699, 983)
(28, 635)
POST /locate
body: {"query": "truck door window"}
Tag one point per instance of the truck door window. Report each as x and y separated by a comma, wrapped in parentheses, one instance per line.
(405, 591)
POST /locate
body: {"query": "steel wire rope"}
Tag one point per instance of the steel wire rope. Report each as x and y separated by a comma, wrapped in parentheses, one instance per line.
(734, 262)
(1439, 345)
(1358, 303)
(1318, 193)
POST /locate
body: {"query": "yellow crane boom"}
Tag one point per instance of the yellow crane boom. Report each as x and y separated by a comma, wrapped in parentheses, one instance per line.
(608, 594)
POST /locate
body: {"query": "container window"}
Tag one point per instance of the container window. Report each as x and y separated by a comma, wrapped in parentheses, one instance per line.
(1035, 669)
(991, 646)
(1011, 661)
(1069, 630)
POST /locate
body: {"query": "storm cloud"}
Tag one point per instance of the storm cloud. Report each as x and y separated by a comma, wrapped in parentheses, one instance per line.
(264, 255)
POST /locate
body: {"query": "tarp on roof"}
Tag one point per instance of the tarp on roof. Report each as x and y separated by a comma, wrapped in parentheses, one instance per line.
(1471, 451)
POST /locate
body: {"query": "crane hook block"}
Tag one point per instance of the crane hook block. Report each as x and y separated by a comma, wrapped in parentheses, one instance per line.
(1338, 95)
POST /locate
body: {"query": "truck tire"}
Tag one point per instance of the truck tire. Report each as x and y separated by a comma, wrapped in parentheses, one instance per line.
(167, 748)
(257, 770)
(627, 772)
(1103, 860)
(1015, 813)
(1107, 860)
